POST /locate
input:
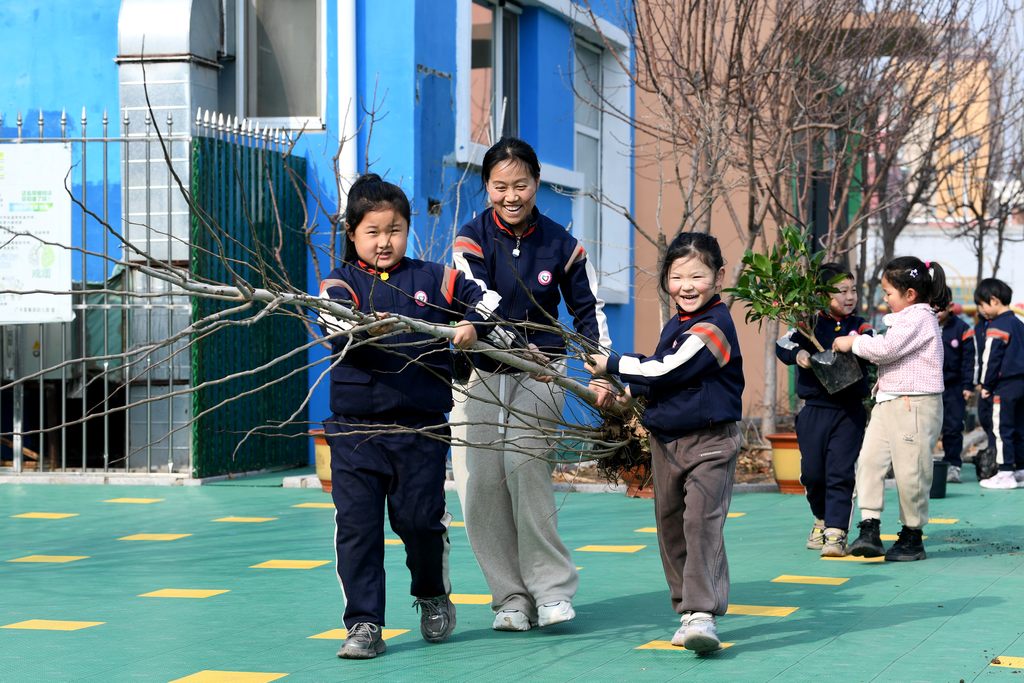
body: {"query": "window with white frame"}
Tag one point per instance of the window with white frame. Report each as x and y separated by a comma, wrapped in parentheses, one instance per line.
(587, 143)
(280, 74)
(494, 71)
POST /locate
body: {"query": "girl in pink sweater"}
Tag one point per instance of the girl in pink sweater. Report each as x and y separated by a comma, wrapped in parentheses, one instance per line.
(907, 416)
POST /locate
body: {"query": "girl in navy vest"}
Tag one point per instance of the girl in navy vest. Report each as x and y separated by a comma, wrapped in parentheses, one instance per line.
(388, 433)
(693, 384)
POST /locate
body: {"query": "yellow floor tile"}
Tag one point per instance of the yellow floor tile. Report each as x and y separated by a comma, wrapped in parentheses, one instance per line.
(610, 548)
(893, 537)
(734, 515)
(471, 598)
(1011, 662)
(813, 580)
(393, 541)
(53, 559)
(45, 515)
(647, 530)
(246, 520)
(667, 645)
(135, 501)
(342, 634)
(214, 676)
(315, 505)
(182, 593)
(943, 520)
(290, 564)
(854, 558)
(458, 524)
(153, 537)
(761, 610)
(53, 625)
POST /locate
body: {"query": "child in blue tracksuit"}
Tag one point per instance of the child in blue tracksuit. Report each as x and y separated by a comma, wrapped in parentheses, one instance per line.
(830, 427)
(388, 433)
(958, 378)
(1002, 379)
(693, 384)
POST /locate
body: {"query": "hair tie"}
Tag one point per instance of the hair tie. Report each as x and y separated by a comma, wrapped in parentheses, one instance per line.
(928, 265)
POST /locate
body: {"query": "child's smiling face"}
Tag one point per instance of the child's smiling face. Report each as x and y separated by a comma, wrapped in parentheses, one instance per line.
(381, 238)
(845, 300)
(691, 283)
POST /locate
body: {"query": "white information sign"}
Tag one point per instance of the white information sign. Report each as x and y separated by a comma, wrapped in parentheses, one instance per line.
(35, 219)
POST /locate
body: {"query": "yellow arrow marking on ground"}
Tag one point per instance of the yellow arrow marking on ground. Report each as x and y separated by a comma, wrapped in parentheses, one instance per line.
(943, 520)
(1011, 662)
(53, 559)
(667, 645)
(314, 505)
(135, 501)
(854, 558)
(215, 676)
(342, 633)
(393, 541)
(246, 520)
(610, 548)
(471, 598)
(813, 580)
(290, 564)
(761, 610)
(153, 537)
(45, 515)
(53, 625)
(182, 593)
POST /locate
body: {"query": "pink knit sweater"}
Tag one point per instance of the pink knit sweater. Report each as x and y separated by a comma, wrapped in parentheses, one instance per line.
(909, 354)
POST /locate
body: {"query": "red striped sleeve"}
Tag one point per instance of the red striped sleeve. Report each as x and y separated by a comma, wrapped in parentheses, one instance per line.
(967, 335)
(448, 284)
(578, 254)
(714, 340)
(1001, 335)
(466, 245)
(864, 327)
(327, 284)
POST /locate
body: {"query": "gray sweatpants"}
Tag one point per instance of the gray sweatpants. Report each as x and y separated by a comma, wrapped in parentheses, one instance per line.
(902, 431)
(693, 478)
(498, 432)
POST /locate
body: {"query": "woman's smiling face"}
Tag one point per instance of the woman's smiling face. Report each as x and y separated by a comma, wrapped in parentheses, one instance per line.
(512, 191)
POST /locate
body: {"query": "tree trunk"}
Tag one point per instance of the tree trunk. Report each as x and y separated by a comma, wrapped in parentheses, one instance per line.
(770, 378)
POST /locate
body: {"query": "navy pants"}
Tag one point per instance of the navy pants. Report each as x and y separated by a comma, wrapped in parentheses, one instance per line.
(374, 462)
(830, 440)
(953, 407)
(1008, 423)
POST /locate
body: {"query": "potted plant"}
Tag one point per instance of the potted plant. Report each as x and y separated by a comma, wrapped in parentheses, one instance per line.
(785, 285)
(322, 451)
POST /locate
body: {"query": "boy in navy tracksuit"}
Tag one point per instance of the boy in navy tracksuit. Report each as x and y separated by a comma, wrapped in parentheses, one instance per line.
(985, 456)
(830, 427)
(388, 433)
(1002, 378)
(958, 378)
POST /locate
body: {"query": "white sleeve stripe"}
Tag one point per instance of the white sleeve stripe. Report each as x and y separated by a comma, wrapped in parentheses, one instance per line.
(629, 365)
(489, 303)
(984, 360)
(329, 321)
(604, 337)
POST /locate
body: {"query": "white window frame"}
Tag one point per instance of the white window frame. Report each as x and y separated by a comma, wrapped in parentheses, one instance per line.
(308, 123)
(580, 43)
(614, 263)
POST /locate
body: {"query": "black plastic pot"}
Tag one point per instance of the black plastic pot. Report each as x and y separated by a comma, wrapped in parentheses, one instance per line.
(939, 472)
(836, 371)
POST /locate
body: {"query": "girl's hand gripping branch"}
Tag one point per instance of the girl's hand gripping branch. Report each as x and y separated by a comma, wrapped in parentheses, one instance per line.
(465, 335)
(597, 365)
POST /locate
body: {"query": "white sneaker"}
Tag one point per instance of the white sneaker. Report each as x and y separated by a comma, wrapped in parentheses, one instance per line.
(953, 475)
(1019, 476)
(510, 620)
(554, 613)
(1002, 480)
(697, 633)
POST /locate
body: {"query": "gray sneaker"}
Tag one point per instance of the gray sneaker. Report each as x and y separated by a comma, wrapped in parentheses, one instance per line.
(834, 544)
(364, 641)
(437, 618)
(816, 538)
(953, 475)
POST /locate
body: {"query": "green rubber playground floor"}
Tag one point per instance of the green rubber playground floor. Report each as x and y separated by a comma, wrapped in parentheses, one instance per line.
(219, 583)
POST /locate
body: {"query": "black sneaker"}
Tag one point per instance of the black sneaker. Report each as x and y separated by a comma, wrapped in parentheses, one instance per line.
(869, 543)
(907, 548)
(364, 641)
(437, 618)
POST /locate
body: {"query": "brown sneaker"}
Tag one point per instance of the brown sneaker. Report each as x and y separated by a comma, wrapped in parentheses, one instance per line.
(834, 543)
(816, 538)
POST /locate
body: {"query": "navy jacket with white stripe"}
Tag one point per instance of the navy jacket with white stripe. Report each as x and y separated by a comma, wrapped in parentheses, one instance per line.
(694, 379)
(525, 278)
(1003, 354)
(408, 372)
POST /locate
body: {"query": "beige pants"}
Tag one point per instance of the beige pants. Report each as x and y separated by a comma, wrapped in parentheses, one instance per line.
(903, 432)
(500, 432)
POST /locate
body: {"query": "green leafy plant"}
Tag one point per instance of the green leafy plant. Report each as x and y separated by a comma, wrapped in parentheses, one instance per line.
(784, 284)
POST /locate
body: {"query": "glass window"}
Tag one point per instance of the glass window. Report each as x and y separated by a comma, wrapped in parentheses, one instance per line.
(282, 58)
(494, 72)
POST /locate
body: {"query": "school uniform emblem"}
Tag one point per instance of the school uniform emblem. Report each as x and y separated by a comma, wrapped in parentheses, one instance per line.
(544, 277)
(420, 298)
(954, 343)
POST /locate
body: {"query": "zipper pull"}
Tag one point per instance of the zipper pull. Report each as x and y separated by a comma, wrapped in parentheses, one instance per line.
(516, 252)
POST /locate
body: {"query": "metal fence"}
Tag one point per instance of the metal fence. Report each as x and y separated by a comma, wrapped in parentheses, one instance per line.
(112, 390)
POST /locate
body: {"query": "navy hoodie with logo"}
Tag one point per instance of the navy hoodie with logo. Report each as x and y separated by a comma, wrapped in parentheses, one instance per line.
(525, 277)
(404, 373)
(694, 379)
